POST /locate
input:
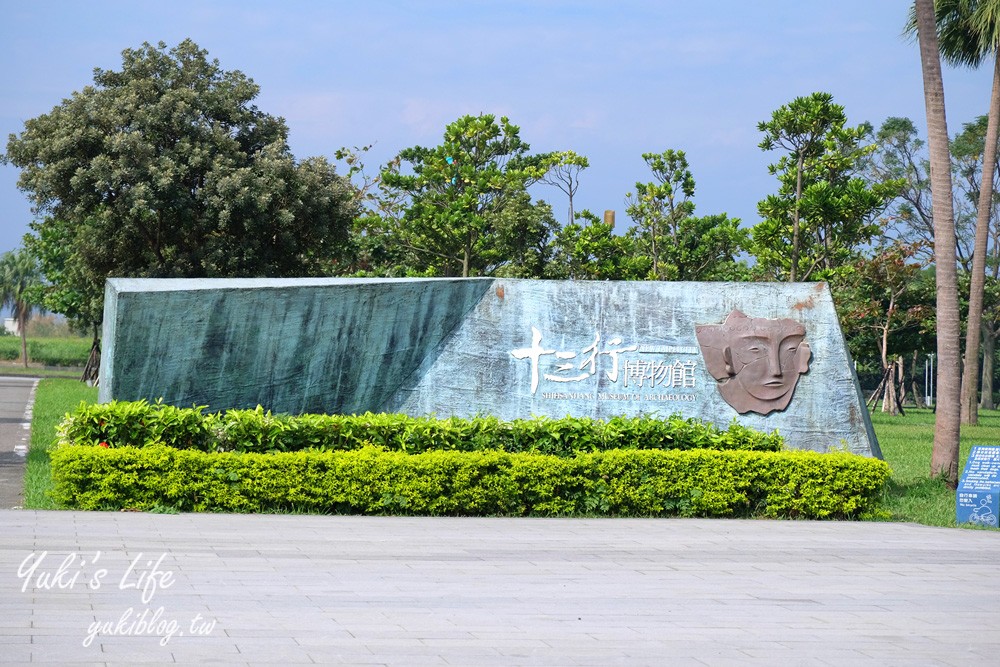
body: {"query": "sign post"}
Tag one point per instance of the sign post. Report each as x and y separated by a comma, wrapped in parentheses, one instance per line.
(977, 500)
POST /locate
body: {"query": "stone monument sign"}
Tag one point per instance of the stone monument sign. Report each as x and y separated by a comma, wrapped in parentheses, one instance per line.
(771, 356)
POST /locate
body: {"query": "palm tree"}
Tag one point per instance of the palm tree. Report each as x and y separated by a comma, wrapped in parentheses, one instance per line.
(947, 423)
(968, 32)
(19, 274)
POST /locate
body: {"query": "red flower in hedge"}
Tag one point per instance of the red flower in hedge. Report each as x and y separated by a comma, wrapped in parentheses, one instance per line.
(104, 444)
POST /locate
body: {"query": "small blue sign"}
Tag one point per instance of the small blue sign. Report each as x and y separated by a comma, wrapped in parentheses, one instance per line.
(977, 500)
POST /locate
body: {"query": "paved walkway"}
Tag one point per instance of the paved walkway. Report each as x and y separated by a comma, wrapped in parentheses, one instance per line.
(17, 395)
(126, 588)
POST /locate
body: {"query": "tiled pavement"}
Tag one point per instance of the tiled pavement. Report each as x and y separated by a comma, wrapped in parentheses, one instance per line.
(121, 588)
(462, 591)
(17, 394)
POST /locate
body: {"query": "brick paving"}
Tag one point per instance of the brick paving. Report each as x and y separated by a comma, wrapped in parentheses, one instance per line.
(80, 588)
(283, 589)
(17, 394)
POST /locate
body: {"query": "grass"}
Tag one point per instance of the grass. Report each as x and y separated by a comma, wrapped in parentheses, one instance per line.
(49, 351)
(69, 373)
(910, 496)
(53, 399)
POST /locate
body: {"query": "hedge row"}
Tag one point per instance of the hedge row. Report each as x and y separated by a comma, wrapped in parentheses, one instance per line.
(373, 481)
(123, 424)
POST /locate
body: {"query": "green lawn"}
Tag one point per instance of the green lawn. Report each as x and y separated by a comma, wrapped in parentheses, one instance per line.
(60, 351)
(906, 444)
(54, 398)
(11, 368)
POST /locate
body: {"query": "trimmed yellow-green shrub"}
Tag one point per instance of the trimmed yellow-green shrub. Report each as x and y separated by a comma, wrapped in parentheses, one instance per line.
(371, 480)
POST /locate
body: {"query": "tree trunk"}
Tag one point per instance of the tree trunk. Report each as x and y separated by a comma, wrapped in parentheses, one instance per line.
(794, 273)
(900, 384)
(467, 256)
(91, 371)
(892, 396)
(918, 397)
(22, 326)
(888, 375)
(890, 404)
(970, 374)
(879, 391)
(989, 349)
(947, 422)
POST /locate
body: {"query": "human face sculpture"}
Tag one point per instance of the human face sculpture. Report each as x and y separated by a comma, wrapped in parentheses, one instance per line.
(757, 361)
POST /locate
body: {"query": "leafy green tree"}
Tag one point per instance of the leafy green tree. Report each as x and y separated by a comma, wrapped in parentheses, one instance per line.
(876, 293)
(375, 248)
(658, 207)
(590, 250)
(166, 168)
(800, 128)
(991, 331)
(521, 239)
(901, 154)
(947, 423)
(824, 210)
(679, 245)
(458, 191)
(967, 152)
(72, 287)
(19, 280)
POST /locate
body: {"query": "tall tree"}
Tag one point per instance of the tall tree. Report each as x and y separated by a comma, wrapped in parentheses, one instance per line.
(458, 190)
(659, 207)
(967, 152)
(968, 155)
(901, 154)
(19, 280)
(166, 168)
(947, 423)
(680, 245)
(374, 248)
(991, 331)
(73, 286)
(565, 175)
(969, 34)
(800, 128)
(824, 210)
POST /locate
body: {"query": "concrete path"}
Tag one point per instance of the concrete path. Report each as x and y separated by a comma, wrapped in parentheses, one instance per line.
(17, 395)
(126, 588)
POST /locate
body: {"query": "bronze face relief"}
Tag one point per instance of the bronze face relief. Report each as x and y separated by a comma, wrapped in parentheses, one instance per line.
(757, 361)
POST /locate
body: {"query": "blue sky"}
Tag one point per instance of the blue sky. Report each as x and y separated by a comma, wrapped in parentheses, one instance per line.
(610, 80)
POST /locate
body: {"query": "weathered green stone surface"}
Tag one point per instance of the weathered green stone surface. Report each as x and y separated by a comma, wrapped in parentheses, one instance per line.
(512, 348)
